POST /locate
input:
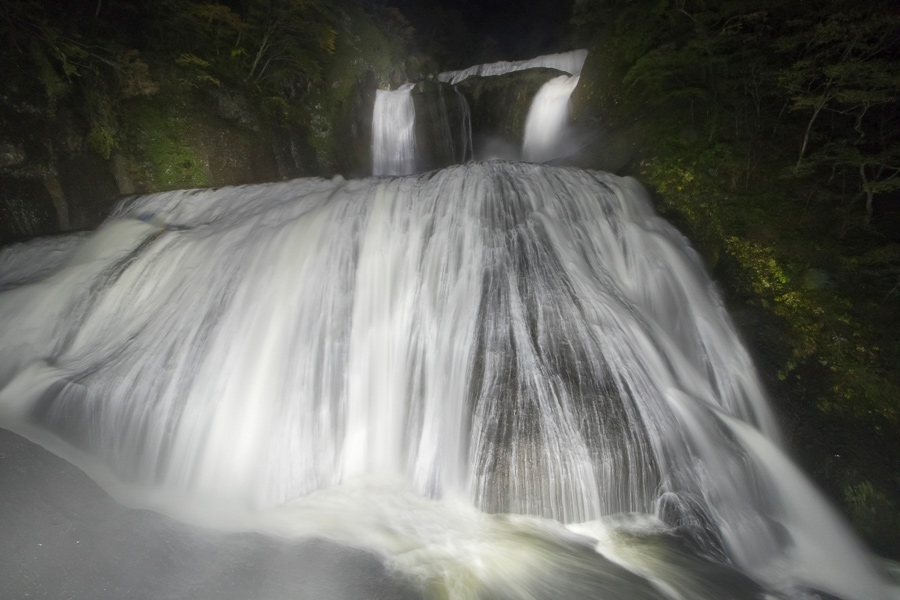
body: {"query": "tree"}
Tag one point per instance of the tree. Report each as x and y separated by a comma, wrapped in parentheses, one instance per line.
(844, 64)
(287, 39)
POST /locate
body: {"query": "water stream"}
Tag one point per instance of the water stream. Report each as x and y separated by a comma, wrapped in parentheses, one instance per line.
(546, 126)
(394, 132)
(507, 380)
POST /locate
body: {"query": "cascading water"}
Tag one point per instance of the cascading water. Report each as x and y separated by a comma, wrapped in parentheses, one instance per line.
(548, 118)
(394, 132)
(390, 362)
(546, 135)
(567, 62)
(413, 132)
(458, 139)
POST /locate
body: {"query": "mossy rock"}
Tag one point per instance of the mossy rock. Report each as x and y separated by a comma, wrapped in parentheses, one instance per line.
(614, 129)
(499, 104)
(164, 157)
(340, 107)
(599, 91)
(442, 137)
(26, 210)
(180, 145)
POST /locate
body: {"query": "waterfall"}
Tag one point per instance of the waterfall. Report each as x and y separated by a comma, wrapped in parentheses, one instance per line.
(461, 141)
(393, 132)
(456, 133)
(545, 136)
(548, 118)
(567, 62)
(453, 142)
(413, 132)
(388, 362)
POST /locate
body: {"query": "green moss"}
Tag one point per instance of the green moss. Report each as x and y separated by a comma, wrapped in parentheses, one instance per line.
(54, 86)
(100, 140)
(360, 47)
(820, 322)
(871, 511)
(500, 104)
(157, 134)
(828, 353)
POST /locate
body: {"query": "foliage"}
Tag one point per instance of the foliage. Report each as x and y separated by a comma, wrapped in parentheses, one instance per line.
(440, 31)
(100, 140)
(54, 85)
(134, 76)
(164, 149)
(295, 64)
(844, 66)
(287, 40)
(361, 46)
(773, 133)
(278, 46)
(871, 510)
(195, 71)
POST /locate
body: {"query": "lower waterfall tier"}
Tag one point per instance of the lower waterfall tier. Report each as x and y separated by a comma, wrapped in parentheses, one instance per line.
(506, 337)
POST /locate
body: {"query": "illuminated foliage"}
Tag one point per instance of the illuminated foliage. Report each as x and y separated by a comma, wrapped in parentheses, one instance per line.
(771, 133)
(292, 65)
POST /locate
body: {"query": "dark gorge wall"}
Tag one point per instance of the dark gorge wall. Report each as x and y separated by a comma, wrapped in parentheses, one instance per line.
(133, 99)
(442, 126)
(499, 106)
(57, 172)
(91, 110)
(618, 139)
(712, 109)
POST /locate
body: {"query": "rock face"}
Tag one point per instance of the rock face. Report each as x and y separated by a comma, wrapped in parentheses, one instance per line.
(442, 125)
(615, 130)
(499, 107)
(354, 159)
(54, 177)
(48, 180)
(73, 142)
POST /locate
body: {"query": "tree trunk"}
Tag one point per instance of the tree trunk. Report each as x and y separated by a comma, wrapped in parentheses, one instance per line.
(809, 125)
(870, 195)
(259, 54)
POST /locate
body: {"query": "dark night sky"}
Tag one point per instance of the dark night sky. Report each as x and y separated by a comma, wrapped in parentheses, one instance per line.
(520, 29)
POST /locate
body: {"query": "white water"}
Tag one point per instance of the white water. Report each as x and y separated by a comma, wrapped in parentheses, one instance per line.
(385, 361)
(567, 62)
(548, 118)
(394, 132)
(458, 139)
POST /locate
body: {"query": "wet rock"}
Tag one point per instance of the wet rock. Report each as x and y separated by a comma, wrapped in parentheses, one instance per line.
(614, 132)
(122, 175)
(442, 135)
(499, 105)
(232, 105)
(26, 209)
(11, 155)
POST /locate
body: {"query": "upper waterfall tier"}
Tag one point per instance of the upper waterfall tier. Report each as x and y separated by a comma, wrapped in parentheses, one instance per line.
(420, 127)
(548, 120)
(394, 132)
(567, 62)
